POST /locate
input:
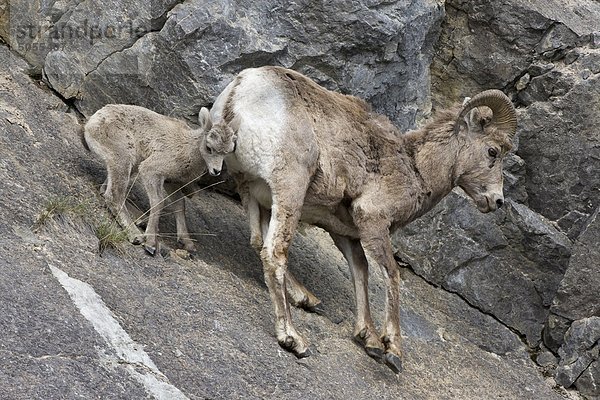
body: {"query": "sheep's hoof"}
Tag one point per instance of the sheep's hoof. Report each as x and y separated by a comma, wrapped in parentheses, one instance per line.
(150, 250)
(375, 352)
(316, 309)
(310, 351)
(137, 240)
(290, 344)
(393, 362)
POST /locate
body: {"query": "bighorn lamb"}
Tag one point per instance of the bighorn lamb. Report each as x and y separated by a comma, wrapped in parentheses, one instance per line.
(304, 152)
(167, 154)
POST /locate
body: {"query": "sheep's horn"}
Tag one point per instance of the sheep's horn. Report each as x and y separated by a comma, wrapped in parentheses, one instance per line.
(504, 114)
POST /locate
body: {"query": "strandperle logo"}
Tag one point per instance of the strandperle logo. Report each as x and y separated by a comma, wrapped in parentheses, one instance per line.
(85, 30)
(88, 31)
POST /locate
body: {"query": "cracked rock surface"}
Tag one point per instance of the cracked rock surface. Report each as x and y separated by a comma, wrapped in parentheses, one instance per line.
(205, 323)
(483, 294)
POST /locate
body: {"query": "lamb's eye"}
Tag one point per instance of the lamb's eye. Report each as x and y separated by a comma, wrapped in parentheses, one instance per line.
(493, 152)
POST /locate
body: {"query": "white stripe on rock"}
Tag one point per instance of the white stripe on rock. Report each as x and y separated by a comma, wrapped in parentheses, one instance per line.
(137, 361)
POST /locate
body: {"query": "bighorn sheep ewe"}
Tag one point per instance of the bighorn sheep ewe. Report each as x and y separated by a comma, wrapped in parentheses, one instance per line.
(304, 152)
(165, 151)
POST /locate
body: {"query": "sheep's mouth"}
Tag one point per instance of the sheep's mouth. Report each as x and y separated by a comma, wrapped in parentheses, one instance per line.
(483, 203)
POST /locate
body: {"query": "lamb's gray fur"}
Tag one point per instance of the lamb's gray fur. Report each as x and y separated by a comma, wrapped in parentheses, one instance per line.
(165, 151)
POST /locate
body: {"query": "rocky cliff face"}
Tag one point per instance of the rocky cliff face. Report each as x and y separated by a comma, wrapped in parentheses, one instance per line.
(531, 266)
(175, 57)
(527, 274)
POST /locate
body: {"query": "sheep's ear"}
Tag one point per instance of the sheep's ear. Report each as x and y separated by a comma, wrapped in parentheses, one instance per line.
(204, 119)
(474, 121)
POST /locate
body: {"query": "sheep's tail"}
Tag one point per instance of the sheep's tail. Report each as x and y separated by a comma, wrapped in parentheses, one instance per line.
(82, 137)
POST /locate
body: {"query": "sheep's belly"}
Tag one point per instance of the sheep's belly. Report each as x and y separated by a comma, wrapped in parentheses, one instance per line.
(310, 213)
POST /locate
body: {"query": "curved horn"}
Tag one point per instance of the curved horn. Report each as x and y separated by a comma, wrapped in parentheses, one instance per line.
(504, 114)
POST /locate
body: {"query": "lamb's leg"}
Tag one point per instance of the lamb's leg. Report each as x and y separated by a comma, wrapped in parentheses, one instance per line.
(298, 294)
(177, 204)
(115, 193)
(283, 223)
(364, 331)
(376, 242)
(153, 184)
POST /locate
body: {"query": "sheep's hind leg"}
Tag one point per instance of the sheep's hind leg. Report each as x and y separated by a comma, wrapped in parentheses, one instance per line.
(153, 185)
(283, 223)
(364, 332)
(297, 293)
(115, 193)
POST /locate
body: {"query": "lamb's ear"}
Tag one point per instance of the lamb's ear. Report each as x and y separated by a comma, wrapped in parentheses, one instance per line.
(204, 119)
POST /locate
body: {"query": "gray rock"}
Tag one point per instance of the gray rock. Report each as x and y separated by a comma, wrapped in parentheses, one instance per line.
(485, 45)
(580, 350)
(562, 136)
(554, 332)
(588, 382)
(556, 41)
(545, 358)
(206, 323)
(508, 264)
(175, 59)
(577, 295)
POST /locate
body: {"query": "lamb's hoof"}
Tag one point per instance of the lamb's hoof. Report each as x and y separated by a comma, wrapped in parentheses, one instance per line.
(393, 362)
(316, 309)
(150, 250)
(375, 353)
(310, 351)
(137, 240)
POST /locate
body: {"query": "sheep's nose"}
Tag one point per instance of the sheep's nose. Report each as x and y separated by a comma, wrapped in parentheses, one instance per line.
(499, 202)
(214, 172)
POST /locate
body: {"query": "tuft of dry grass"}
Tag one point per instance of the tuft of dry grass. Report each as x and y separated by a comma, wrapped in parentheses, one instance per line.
(59, 207)
(62, 208)
(109, 234)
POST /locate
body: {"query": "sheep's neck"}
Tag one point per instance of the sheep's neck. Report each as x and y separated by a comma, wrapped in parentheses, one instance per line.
(435, 159)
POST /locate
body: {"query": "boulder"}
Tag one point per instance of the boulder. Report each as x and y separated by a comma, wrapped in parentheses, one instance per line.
(577, 295)
(173, 58)
(507, 264)
(579, 357)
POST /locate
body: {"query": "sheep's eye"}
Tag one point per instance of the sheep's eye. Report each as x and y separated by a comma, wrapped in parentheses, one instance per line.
(493, 152)
(209, 150)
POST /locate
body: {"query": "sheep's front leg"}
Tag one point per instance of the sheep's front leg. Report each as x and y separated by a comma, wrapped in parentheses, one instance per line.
(282, 226)
(177, 204)
(376, 242)
(364, 331)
